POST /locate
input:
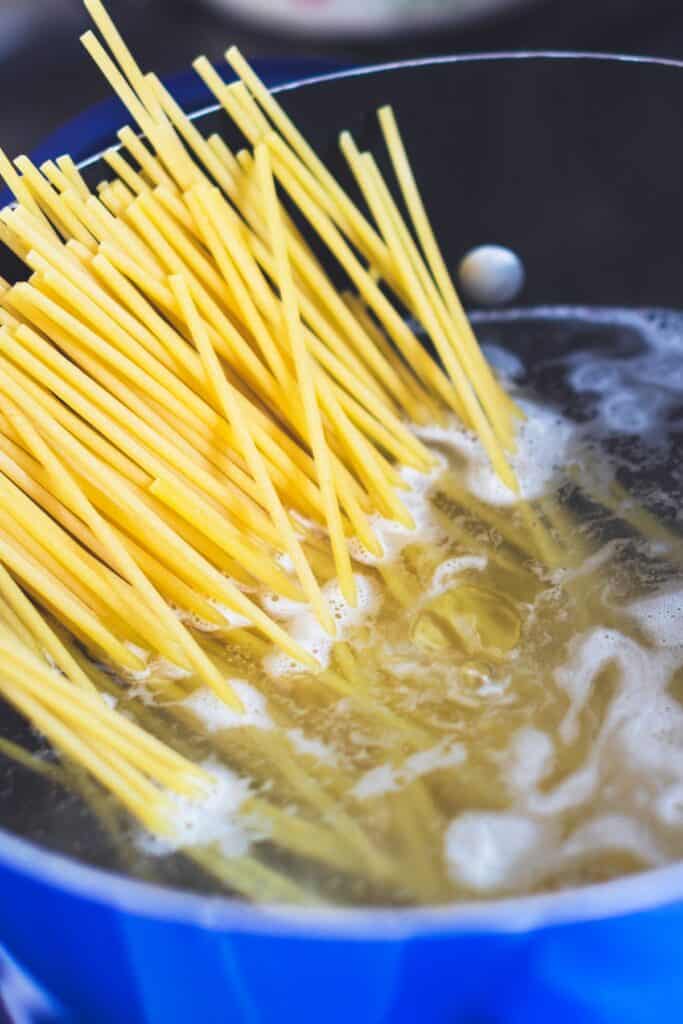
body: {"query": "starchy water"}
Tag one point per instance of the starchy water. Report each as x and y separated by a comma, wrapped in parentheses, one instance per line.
(503, 711)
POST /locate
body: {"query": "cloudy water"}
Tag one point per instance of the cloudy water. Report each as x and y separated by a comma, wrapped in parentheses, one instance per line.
(503, 712)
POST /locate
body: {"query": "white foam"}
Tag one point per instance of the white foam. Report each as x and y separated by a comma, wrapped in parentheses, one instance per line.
(612, 832)
(593, 376)
(531, 757)
(393, 536)
(162, 668)
(627, 789)
(376, 782)
(661, 617)
(387, 778)
(233, 619)
(543, 443)
(625, 412)
(312, 747)
(669, 806)
(663, 370)
(490, 850)
(215, 714)
(453, 567)
(212, 817)
(632, 391)
(641, 736)
(507, 365)
(157, 669)
(446, 754)
(304, 628)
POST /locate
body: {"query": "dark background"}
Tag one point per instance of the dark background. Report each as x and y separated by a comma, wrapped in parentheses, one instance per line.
(45, 77)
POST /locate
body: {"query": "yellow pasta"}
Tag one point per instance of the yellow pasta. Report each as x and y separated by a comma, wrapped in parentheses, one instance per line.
(316, 435)
(233, 412)
(201, 438)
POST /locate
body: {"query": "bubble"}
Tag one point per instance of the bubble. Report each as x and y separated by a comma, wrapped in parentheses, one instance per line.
(544, 442)
(312, 747)
(210, 818)
(505, 363)
(595, 376)
(215, 714)
(626, 413)
(387, 778)
(304, 628)
(487, 851)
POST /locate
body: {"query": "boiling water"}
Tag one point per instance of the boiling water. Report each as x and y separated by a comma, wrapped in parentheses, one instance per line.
(502, 713)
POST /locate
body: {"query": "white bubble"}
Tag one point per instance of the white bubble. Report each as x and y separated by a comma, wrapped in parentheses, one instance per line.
(530, 758)
(212, 817)
(311, 746)
(449, 570)
(543, 444)
(507, 365)
(304, 628)
(595, 376)
(488, 850)
(626, 412)
(215, 714)
(387, 778)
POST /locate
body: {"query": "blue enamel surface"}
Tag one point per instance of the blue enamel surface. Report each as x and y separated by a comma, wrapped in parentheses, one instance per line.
(110, 966)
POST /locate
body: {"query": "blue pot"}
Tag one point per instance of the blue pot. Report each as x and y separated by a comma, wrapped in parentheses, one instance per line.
(114, 950)
(538, 152)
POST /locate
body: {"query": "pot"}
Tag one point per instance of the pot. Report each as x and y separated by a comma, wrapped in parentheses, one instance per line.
(574, 162)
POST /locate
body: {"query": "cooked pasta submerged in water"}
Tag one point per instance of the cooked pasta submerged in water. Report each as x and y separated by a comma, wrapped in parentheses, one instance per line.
(303, 611)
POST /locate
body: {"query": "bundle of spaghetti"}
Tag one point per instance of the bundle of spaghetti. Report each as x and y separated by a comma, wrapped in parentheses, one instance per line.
(256, 112)
(195, 419)
(322, 830)
(43, 681)
(37, 306)
(35, 301)
(138, 518)
(245, 875)
(300, 159)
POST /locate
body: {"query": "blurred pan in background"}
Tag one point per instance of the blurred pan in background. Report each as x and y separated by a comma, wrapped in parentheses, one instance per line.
(365, 17)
